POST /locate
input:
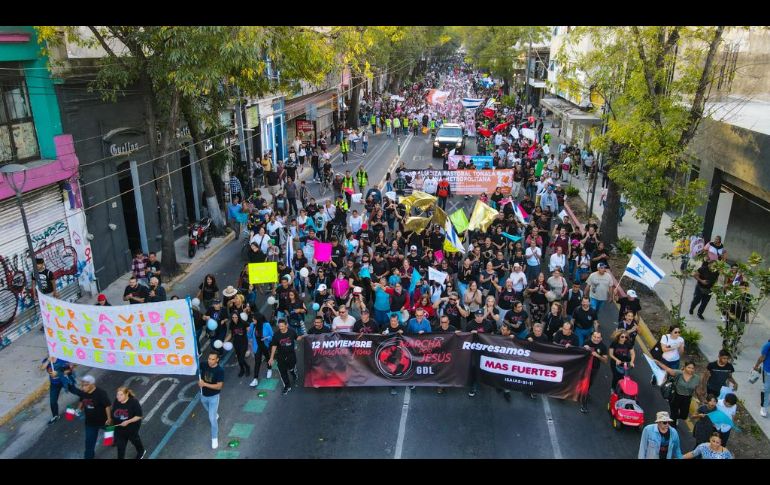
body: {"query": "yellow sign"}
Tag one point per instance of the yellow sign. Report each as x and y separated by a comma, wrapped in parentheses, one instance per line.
(263, 273)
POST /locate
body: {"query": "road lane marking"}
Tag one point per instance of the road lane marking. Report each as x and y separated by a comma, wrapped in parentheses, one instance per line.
(551, 428)
(402, 425)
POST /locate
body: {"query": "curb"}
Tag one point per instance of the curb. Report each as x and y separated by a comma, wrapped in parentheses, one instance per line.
(648, 338)
(195, 265)
(28, 401)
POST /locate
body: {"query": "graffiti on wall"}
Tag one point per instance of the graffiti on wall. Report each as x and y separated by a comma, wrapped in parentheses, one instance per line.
(16, 270)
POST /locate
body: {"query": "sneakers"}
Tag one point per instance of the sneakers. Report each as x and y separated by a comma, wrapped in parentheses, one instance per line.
(440, 390)
(214, 443)
(254, 383)
(700, 316)
(472, 393)
(583, 409)
(53, 420)
(411, 388)
(692, 310)
(763, 412)
(393, 391)
(293, 374)
(532, 396)
(286, 390)
(217, 416)
(269, 373)
(507, 396)
(145, 453)
(241, 373)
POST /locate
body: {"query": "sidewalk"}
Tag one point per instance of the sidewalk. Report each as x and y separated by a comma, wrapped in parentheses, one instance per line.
(21, 383)
(668, 289)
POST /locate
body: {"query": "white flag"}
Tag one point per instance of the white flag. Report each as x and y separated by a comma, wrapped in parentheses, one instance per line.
(436, 275)
(640, 268)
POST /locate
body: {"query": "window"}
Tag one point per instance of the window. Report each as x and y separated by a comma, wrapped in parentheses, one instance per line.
(18, 142)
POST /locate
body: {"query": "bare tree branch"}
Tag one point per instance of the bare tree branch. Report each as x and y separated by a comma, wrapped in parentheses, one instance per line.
(104, 45)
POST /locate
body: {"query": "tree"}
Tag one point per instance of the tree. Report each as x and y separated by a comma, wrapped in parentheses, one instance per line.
(657, 109)
(495, 47)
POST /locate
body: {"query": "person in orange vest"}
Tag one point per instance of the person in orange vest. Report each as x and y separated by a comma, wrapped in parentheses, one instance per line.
(443, 191)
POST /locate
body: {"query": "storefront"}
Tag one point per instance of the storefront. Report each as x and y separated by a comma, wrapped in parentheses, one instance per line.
(576, 125)
(310, 115)
(273, 127)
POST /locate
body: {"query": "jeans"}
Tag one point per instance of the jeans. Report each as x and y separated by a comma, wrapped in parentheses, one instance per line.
(53, 394)
(597, 304)
(381, 317)
(442, 202)
(92, 433)
(365, 145)
(293, 206)
(581, 271)
(532, 272)
(211, 405)
(700, 296)
(583, 334)
(316, 173)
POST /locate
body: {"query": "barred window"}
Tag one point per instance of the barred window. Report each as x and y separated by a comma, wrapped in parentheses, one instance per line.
(18, 140)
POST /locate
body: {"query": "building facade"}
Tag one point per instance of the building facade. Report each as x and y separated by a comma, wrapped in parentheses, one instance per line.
(31, 135)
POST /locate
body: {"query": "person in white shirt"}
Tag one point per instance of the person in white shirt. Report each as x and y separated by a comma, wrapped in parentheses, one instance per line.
(356, 222)
(518, 278)
(511, 158)
(516, 159)
(498, 139)
(727, 405)
(261, 240)
(534, 258)
(558, 260)
(329, 211)
(566, 164)
(430, 185)
(672, 345)
(343, 322)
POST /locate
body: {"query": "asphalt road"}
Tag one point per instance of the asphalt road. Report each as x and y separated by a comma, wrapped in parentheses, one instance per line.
(349, 422)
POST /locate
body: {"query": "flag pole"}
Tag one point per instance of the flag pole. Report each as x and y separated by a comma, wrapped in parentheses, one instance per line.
(617, 285)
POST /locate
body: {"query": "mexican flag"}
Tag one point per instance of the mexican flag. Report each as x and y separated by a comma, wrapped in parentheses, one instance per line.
(109, 436)
(70, 414)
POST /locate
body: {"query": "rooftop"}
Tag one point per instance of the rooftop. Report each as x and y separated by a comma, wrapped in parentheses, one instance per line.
(746, 113)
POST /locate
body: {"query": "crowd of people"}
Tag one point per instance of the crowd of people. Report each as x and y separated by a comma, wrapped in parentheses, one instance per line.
(547, 286)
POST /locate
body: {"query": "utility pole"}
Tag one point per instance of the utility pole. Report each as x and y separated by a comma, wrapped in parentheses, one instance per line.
(526, 75)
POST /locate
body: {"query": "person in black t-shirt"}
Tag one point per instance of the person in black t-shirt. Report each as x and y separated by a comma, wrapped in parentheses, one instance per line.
(538, 334)
(585, 320)
(599, 352)
(365, 324)
(211, 381)
(283, 346)
(238, 329)
(318, 327)
(127, 415)
(622, 353)
(706, 279)
(565, 336)
(517, 319)
(46, 282)
(630, 302)
(135, 293)
(96, 405)
(719, 373)
(481, 325)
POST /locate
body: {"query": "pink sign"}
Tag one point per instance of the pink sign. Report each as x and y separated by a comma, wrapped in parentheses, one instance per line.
(323, 251)
(439, 255)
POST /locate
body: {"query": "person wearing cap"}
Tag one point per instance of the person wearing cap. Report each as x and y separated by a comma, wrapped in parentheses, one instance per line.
(101, 300)
(59, 375)
(46, 282)
(96, 405)
(659, 440)
(599, 284)
(628, 303)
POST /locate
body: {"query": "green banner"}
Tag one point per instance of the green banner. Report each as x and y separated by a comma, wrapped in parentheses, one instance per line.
(459, 220)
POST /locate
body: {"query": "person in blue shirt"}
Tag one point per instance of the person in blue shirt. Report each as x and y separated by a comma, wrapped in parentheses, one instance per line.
(237, 217)
(660, 441)
(419, 324)
(55, 368)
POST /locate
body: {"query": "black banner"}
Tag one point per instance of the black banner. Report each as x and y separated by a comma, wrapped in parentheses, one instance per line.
(349, 359)
(522, 365)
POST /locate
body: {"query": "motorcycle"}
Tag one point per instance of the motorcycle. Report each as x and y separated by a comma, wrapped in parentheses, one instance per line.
(200, 234)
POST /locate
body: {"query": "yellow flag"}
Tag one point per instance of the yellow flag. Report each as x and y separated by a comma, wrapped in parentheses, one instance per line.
(449, 248)
(439, 216)
(418, 199)
(482, 216)
(416, 224)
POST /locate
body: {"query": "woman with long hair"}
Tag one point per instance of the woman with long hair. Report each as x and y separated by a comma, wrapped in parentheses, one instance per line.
(472, 298)
(238, 329)
(621, 354)
(208, 290)
(297, 311)
(686, 382)
(127, 416)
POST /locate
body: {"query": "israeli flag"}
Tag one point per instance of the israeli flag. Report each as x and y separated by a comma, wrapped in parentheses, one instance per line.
(640, 268)
(472, 103)
(452, 236)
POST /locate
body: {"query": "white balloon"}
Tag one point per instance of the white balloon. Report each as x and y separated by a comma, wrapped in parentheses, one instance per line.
(270, 300)
(303, 272)
(195, 302)
(244, 317)
(228, 346)
(217, 344)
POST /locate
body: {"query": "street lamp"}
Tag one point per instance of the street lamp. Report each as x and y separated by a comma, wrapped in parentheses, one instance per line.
(9, 172)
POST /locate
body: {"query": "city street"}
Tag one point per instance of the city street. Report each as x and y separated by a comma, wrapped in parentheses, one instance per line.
(347, 422)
